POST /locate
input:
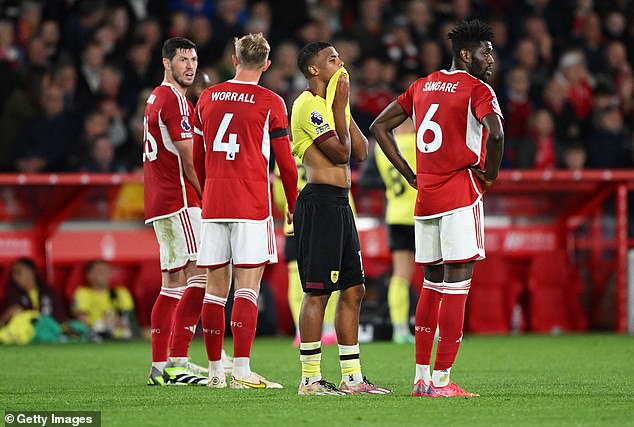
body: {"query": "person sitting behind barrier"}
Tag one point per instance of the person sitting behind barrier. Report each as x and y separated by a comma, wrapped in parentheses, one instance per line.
(108, 311)
(28, 299)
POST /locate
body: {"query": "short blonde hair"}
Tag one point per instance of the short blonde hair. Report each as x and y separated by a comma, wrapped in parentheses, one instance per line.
(252, 50)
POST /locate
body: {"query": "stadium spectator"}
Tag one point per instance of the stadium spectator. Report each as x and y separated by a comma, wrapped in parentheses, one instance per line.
(260, 19)
(608, 143)
(325, 138)
(108, 310)
(420, 21)
(81, 23)
(172, 205)
(289, 82)
(400, 47)
(179, 23)
(101, 157)
(574, 156)
(27, 298)
(200, 32)
(22, 105)
(539, 149)
(535, 30)
(64, 76)
(48, 142)
(89, 77)
(526, 57)
(138, 74)
(430, 57)
(591, 42)
(573, 74)
(367, 29)
(556, 102)
(372, 94)
(237, 123)
(517, 108)
(618, 70)
(448, 230)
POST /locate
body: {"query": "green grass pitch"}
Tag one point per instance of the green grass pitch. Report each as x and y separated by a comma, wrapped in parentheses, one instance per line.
(528, 380)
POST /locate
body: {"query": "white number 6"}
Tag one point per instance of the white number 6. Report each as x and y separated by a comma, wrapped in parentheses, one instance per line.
(429, 124)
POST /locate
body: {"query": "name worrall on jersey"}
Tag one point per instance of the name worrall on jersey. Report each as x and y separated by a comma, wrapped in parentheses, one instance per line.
(440, 87)
(249, 98)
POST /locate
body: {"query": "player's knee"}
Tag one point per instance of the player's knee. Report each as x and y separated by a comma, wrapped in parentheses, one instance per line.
(353, 295)
(434, 273)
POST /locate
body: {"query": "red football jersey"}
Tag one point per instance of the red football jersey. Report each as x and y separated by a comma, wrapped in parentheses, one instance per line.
(236, 125)
(167, 119)
(447, 108)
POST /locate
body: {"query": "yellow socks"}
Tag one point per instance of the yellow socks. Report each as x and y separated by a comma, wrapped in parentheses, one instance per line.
(310, 356)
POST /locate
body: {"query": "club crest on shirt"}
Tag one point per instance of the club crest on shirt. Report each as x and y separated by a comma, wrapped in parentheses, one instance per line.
(185, 124)
(316, 118)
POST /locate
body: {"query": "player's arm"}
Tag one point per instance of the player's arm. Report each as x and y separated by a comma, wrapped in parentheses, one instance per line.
(185, 150)
(281, 145)
(199, 151)
(495, 150)
(359, 144)
(337, 146)
(382, 128)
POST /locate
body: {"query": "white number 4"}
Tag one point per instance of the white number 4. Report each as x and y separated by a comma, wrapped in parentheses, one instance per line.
(231, 147)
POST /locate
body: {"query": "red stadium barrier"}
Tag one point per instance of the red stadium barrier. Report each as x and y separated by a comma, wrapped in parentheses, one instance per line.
(64, 220)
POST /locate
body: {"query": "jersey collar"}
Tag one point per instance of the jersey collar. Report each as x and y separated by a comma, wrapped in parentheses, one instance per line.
(241, 82)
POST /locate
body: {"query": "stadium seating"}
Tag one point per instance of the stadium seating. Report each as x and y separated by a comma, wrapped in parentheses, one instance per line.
(494, 292)
(555, 289)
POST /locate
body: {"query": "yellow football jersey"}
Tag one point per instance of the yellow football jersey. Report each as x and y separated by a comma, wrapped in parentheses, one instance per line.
(401, 197)
(97, 303)
(312, 118)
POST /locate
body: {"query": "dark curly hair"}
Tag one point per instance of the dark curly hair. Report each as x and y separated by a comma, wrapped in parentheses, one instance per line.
(468, 35)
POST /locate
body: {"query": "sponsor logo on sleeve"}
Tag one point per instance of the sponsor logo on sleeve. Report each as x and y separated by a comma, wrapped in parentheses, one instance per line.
(185, 124)
(318, 121)
(495, 105)
(316, 118)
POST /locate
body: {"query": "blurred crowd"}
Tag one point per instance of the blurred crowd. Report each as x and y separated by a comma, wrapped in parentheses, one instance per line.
(75, 74)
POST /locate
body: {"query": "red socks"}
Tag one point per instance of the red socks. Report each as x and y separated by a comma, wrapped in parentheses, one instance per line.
(213, 316)
(450, 323)
(427, 320)
(186, 316)
(161, 321)
(244, 319)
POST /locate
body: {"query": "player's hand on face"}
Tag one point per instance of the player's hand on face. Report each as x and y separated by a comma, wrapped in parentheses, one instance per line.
(342, 93)
(481, 174)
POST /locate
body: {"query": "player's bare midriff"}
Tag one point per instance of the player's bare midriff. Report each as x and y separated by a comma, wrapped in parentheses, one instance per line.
(321, 170)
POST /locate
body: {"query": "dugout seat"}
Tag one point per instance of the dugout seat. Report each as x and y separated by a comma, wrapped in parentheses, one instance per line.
(493, 293)
(555, 289)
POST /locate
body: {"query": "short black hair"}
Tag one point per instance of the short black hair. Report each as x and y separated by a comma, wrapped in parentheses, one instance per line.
(468, 35)
(172, 45)
(307, 53)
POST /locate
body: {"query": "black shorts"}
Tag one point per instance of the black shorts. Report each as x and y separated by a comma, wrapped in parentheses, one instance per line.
(328, 250)
(400, 237)
(290, 249)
